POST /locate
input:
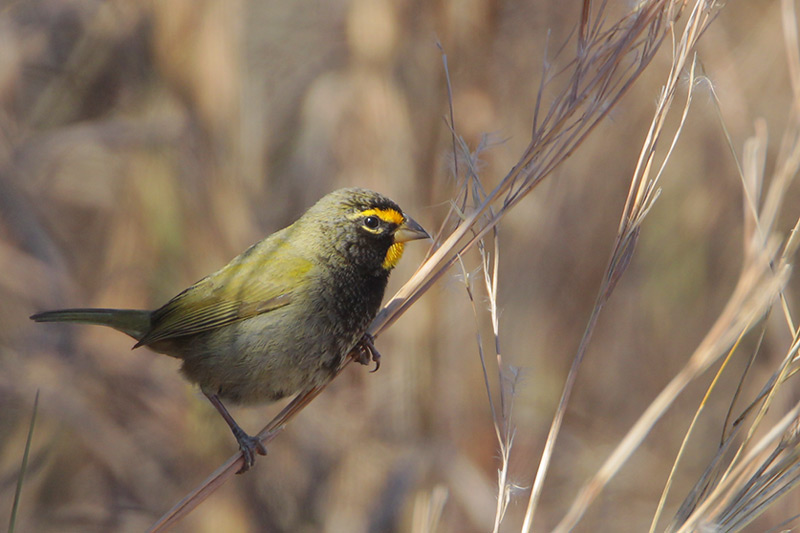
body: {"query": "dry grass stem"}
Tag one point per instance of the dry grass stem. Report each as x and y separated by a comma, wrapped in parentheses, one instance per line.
(752, 297)
(730, 506)
(23, 467)
(428, 508)
(763, 278)
(507, 377)
(642, 194)
(234, 463)
(752, 481)
(609, 59)
(692, 425)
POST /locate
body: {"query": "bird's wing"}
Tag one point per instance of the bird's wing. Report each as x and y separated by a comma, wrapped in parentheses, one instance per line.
(262, 279)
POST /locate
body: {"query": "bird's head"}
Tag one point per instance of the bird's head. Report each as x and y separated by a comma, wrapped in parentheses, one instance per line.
(367, 229)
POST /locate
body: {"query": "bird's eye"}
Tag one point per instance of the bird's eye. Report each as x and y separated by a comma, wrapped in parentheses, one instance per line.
(372, 222)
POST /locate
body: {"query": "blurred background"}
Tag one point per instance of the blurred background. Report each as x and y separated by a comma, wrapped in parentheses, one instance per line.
(144, 144)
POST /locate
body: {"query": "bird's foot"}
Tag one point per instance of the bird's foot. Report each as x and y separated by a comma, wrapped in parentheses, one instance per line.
(249, 446)
(365, 352)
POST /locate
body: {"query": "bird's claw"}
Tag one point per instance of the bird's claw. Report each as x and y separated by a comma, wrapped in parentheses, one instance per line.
(249, 446)
(365, 352)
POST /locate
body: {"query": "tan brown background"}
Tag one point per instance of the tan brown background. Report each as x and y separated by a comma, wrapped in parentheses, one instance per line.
(144, 144)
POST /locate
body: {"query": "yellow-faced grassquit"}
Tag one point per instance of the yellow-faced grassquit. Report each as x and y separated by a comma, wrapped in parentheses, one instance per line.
(281, 317)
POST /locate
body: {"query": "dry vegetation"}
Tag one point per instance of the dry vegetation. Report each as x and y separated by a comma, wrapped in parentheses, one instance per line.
(146, 143)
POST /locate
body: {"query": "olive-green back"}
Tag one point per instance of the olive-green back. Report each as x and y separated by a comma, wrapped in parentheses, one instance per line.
(263, 278)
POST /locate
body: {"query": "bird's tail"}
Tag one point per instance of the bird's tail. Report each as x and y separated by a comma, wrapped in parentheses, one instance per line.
(133, 322)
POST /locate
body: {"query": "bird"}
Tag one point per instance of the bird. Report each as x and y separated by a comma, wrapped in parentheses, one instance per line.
(282, 316)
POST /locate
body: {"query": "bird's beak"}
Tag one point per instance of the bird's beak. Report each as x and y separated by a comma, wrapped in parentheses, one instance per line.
(410, 230)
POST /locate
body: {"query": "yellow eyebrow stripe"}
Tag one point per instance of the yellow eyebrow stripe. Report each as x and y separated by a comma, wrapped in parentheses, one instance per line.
(387, 215)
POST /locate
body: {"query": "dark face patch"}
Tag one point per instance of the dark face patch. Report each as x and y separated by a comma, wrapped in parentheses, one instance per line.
(362, 226)
(382, 223)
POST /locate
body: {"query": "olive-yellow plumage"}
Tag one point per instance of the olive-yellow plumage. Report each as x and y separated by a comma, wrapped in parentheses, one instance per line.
(279, 318)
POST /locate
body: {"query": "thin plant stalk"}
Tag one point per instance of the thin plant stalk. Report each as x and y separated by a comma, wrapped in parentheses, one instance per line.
(12, 522)
(641, 197)
(662, 501)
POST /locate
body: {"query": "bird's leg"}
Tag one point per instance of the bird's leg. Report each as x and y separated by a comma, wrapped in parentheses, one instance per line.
(365, 351)
(247, 444)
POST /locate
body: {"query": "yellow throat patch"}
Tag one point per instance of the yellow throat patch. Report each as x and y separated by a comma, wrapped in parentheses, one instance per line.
(393, 255)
